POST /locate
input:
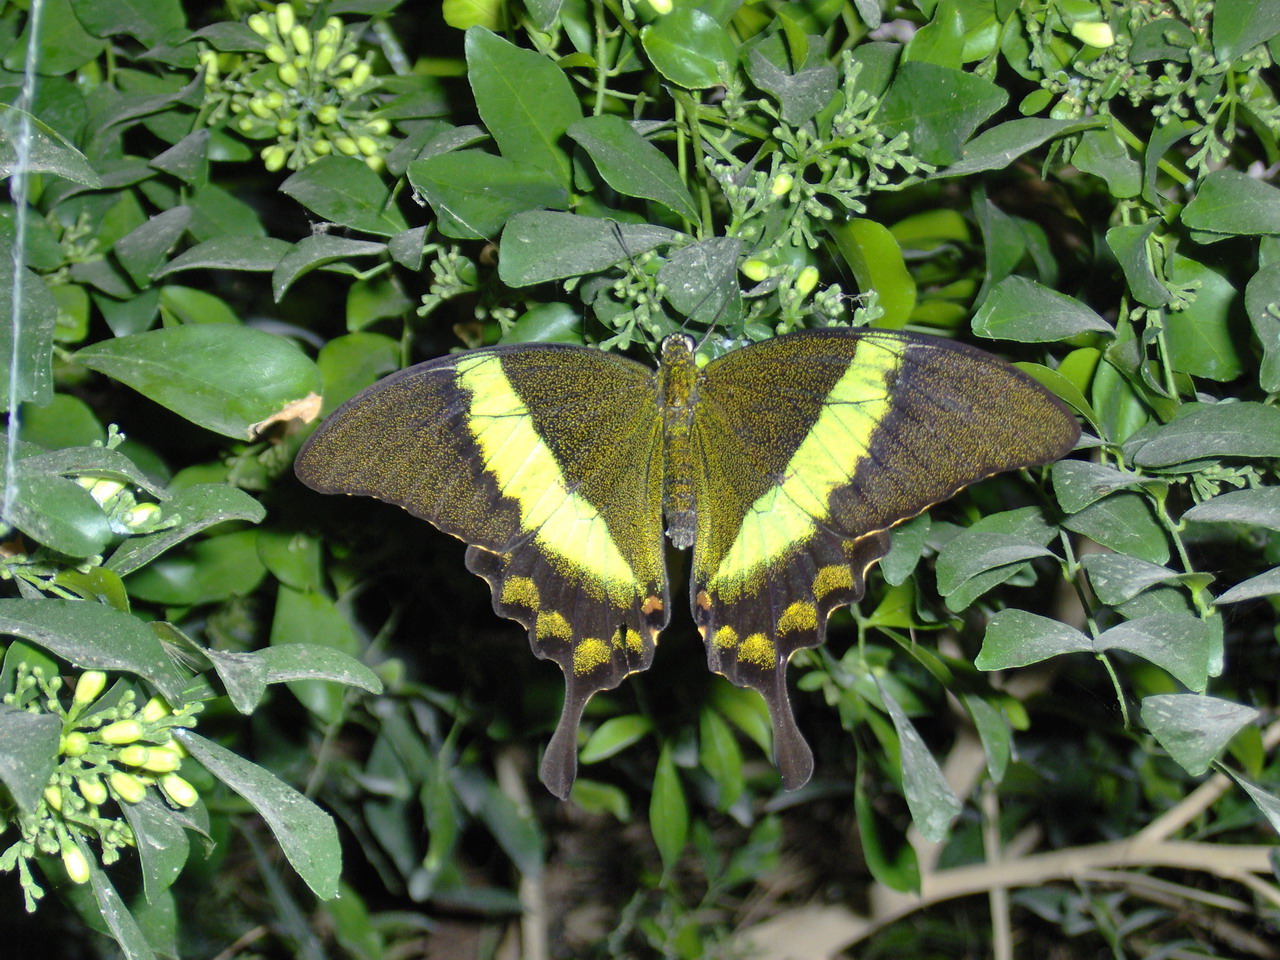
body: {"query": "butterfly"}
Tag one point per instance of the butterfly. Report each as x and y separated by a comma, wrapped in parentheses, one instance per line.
(784, 464)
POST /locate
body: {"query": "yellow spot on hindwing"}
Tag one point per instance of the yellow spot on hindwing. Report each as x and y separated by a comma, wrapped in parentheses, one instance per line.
(758, 651)
(633, 642)
(831, 579)
(521, 591)
(590, 653)
(552, 626)
(568, 526)
(787, 513)
(801, 615)
(726, 638)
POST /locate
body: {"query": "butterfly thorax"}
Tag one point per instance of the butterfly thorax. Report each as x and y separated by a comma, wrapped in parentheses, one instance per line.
(677, 394)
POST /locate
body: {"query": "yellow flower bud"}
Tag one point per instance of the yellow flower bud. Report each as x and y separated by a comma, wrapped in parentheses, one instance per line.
(122, 731)
(781, 184)
(274, 157)
(661, 7)
(348, 62)
(178, 790)
(245, 124)
(754, 269)
(379, 126)
(258, 24)
(807, 280)
(274, 99)
(346, 145)
(92, 790)
(275, 53)
(375, 163)
(161, 760)
(1093, 33)
(135, 754)
(88, 686)
(101, 489)
(327, 113)
(325, 55)
(285, 126)
(258, 105)
(155, 709)
(361, 73)
(368, 146)
(322, 147)
(300, 36)
(284, 18)
(127, 787)
(142, 514)
(75, 744)
(76, 865)
(288, 74)
(53, 797)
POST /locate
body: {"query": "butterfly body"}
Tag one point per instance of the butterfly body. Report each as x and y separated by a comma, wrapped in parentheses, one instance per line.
(783, 464)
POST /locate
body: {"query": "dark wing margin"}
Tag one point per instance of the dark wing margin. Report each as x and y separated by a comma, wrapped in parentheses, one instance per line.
(811, 447)
(545, 460)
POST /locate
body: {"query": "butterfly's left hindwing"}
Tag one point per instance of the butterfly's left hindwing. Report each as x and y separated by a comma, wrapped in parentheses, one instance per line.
(546, 460)
(808, 448)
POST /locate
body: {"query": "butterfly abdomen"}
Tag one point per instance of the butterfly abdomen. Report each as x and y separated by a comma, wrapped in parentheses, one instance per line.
(677, 395)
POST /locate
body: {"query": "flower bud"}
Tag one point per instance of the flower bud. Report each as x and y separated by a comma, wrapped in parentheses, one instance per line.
(346, 145)
(274, 99)
(322, 147)
(348, 62)
(288, 74)
(162, 760)
(88, 686)
(258, 24)
(274, 157)
(754, 269)
(325, 55)
(275, 53)
(661, 7)
(53, 797)
(155, 709)
(375, 163)
(300, 36)
(285, 126)
(91, 789)
(135, 754)
(258, 105)
(75, 744)
(781, 184)
(807, 280)
(245, 124)
(127, 787)
(142, 514)
(76, 865)
(361, 73)
(122, 731)
(1093, 33)
(327, 114)
(368, 146)
(284, 18)
(379, 126)
(178, 790)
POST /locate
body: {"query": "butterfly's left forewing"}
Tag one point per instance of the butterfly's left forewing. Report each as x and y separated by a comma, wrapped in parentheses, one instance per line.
(546, 460)
(809, 448)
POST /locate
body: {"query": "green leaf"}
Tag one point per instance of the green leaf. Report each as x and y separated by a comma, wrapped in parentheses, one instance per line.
(668, 811)
(525, 100)
(120, 922)
(720, 757)
(1232, 202)
(746, 710)
(161, 843)
(974, 552)
(58, 513)
(145, 20)
(908, 544)
(47, 151)
(305, 833)
(29, 333)
(62, 45)
(92, 636)
(243, 675)
(142, 249)
(28, 753)
(215, 569)
(475, 193)
(546, 323)
(1016, 638)
(1262, 302)
(1259, 507)
(933, 804)
(941, 40)
(1021, 309)
(702, 281)
(259, 254)
(516, 830)
(197, 507)
(316, 251)
(998, 147)
(287, 662)
(1116, 578)
(188, 305)
(688, 47)
(873, 254)
(1268, 803)
(801, 94)
(1131, 245)
(897, 868)
(1103, 154)
(595, 797)
(994, 732)
(1124, 522)
(227, 379)
(1194, 729)
(543, 245)
(939, 108)
(345, 191)
(188, 159)
(1200, 336)
(1182, 644)
(631, 164)
(1263, 585)
(307, 615)
(615, 735)
(1210, 431)
(1240, 25)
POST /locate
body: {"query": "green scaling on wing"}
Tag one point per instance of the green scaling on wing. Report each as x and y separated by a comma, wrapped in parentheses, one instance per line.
(783, 464)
